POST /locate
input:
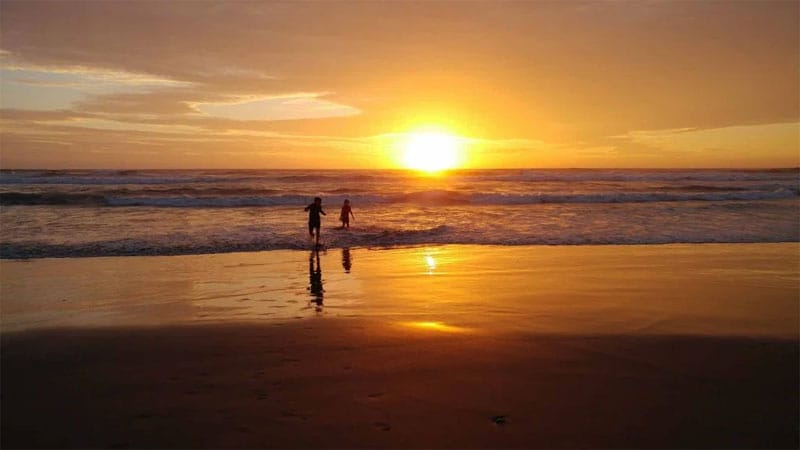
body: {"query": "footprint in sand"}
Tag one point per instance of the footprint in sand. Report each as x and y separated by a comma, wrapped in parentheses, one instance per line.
(383, 426)
(375, 395)
(499, 420)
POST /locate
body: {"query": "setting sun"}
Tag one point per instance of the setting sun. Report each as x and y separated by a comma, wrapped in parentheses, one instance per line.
(431, 151)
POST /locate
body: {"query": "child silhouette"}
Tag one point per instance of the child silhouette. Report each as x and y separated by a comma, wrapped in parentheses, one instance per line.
(314, 219)
(347, 212)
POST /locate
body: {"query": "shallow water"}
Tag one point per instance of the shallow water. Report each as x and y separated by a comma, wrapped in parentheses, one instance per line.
(111, 213)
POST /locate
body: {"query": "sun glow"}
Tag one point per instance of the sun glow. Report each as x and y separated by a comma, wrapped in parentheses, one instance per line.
(431, 151)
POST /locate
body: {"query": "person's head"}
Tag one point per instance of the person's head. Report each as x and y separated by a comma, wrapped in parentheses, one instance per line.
(317, 200)
(346, 201)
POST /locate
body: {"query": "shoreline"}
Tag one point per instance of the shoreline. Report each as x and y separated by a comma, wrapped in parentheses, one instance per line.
(391, 247)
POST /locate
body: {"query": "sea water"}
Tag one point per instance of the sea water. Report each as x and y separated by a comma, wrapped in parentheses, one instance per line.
(70, 213)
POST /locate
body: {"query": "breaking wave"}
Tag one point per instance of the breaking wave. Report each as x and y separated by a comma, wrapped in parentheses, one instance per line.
(216, 198)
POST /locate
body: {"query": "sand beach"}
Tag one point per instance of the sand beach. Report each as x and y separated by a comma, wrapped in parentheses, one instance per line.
(670, 346)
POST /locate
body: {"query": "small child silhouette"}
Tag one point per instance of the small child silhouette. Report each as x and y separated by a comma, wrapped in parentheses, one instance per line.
(347, 211)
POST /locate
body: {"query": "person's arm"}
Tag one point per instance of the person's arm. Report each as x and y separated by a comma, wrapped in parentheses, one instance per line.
(352, 215)
(306, 208)
(322, 212)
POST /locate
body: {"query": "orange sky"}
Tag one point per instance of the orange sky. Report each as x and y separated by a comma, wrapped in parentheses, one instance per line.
(336, 84)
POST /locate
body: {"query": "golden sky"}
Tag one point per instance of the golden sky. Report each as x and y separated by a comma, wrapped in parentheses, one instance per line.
(336, 84)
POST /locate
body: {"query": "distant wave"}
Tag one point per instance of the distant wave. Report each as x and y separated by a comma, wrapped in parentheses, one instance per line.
(119, 178)
(24, 198)
(335, 177)
(229, 198)
(212, 200)
(717, 188)
(113, 180)
(167, 177)
(592, 175)
(633, 197)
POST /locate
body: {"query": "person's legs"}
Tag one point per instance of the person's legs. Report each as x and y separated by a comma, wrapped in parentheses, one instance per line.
(314, 225)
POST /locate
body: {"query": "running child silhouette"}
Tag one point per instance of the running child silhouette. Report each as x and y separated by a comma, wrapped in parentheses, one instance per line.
(347, 211)
(314, 220)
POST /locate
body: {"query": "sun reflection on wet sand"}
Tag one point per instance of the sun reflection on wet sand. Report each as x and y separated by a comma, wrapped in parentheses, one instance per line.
(435, 326)
(431, 264)
(579, 290)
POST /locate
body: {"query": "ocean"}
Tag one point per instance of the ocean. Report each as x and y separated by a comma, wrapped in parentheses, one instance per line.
(80, 213)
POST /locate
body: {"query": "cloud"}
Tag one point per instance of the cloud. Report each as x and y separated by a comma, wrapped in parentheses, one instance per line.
(81, 76)
(53, 87)
(284, 107)
(775, 145)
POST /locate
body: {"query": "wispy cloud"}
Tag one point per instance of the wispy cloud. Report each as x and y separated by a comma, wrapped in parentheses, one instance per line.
(18, 68)
(777, 144)
(280, 107)
(58, 87)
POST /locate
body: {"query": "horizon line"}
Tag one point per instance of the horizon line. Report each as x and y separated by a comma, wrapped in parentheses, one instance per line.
(402, 169)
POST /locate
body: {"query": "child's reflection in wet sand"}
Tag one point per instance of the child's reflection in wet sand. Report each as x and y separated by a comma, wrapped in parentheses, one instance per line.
(346, 261)
(315, 280)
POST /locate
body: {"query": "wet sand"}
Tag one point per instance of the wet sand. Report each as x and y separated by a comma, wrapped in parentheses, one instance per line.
(678, 346)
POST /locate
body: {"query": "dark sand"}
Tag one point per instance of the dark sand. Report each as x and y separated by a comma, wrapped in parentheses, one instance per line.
(351, 384)
(414, 377)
